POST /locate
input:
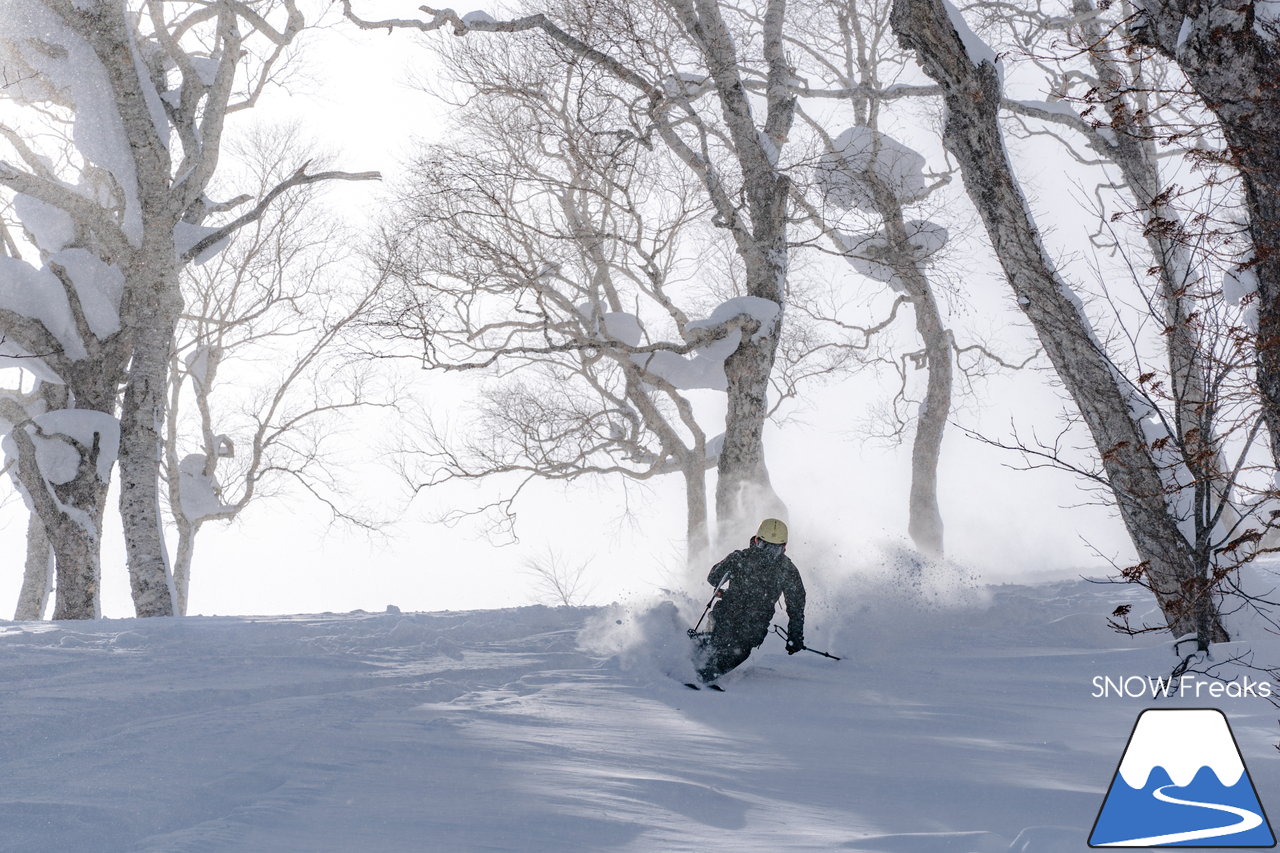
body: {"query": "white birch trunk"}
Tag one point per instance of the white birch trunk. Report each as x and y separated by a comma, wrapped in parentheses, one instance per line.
(924, 518)
(692, 461)
(972, 134)
(182, 563)
(154, 321)
(1131, 145)
(149, 312)
(37, 574)
(696, 534)
(1193, 409)
(744, 493)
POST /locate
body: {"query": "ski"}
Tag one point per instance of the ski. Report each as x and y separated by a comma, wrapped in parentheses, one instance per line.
(715, 687)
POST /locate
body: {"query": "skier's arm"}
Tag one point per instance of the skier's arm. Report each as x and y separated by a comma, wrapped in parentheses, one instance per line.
(722, 568)
(793, 590)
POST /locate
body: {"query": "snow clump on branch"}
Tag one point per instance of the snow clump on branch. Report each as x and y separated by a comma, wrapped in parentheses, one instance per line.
(72, 76)
(704, 368)
(859, 159)
(200, 494)
(871, 254)
(50, 227)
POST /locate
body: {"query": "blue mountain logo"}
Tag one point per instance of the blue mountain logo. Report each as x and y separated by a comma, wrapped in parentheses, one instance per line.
(1182, 783)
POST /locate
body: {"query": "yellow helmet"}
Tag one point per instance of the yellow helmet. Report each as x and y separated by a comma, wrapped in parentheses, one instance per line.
(773, 530)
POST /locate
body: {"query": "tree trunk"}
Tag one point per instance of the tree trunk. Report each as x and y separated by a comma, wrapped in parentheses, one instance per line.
(1132, 147)
(1234, 69)
(972, 134)
(156, 306)
(924, 518)
(744, 493)
(924, 522)
(71, 516)
(152, 301)
(695, 491)
(182, 563)
(37, 575)
(77, 561)
(1189, 387)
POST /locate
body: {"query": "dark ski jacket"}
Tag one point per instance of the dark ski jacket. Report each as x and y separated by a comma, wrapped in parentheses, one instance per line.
(756, 579)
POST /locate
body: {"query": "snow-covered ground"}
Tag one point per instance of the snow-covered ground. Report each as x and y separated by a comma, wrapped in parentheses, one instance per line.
(959, 722)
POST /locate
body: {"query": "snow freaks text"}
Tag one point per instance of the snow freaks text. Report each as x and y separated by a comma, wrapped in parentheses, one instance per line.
(1186, 686)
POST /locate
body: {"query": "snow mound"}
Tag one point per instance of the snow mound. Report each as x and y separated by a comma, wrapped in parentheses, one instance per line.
(650, 640)
(961, 719)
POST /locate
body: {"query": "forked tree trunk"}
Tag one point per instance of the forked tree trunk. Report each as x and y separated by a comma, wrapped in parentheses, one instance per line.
(972, 134)
(743, 490)
(71, 517)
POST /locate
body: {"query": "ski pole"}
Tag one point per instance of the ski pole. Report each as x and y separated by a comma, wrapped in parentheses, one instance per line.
(714, 596)
(778, 629)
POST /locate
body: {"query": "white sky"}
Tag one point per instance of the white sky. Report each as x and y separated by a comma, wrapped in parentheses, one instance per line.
(846, 497)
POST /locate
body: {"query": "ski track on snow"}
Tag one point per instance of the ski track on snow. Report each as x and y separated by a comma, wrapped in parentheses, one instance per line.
(947, 729)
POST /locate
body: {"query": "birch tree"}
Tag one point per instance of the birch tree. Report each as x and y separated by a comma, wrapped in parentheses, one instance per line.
(264, 367)
(560, 255)
(1155, 144)
(58, 311)
(143, 92)
(1128, 432)
(17, 407)
(1230, 54)
(847, 55)
(670, 55)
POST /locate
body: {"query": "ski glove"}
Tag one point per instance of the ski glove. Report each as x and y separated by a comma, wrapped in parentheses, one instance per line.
(794, 646)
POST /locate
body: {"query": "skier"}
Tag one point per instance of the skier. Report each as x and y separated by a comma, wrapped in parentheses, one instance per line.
(757, 576)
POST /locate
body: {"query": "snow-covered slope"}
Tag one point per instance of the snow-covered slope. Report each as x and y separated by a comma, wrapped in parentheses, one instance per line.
(964, 727)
